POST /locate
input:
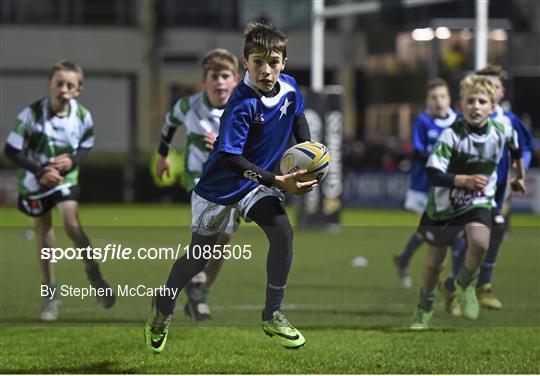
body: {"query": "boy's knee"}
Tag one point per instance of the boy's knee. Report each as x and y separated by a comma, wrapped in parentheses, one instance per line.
(192, 266)
(282, 235)
(43, 230)
(479, 246)
(224, 238)
(73, 228)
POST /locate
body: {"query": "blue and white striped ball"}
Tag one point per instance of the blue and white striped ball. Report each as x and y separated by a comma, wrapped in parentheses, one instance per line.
(310, 156)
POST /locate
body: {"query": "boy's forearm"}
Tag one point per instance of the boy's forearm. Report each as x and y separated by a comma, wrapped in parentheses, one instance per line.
(167, 134)
(520, 168)
(163, 148)
(241, 165)
(438, 178)
(20, 160)
(460, 181)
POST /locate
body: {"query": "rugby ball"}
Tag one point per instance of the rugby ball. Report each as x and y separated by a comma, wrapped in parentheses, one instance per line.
(310, 156)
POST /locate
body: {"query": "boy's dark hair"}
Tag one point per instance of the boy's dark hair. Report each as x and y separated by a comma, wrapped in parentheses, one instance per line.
(69, 66)
(265, 38)
(493, 70)
(219, 59)
(436, 82)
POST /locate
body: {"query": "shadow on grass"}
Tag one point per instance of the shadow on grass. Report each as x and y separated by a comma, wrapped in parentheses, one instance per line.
(92, 368)
(325, 287)
(381, 328)
(355, 312)
(71, 322)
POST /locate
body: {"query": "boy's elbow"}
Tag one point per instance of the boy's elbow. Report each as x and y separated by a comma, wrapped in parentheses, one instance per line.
(432, 180)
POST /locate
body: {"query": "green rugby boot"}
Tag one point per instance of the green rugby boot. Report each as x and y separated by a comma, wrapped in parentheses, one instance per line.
(156, 329)
(421, 319)
(287, 334)
(470, 308)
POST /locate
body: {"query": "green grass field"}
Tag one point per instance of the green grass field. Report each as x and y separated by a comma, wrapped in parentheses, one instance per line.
(354, 319)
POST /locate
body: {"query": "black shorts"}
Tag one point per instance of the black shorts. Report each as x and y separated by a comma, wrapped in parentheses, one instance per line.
(40, 206)
(443, 233)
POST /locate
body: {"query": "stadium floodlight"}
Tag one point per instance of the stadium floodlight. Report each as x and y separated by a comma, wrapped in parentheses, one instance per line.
(498, 35)
(466, 28)
(442, 32)
(422, 34)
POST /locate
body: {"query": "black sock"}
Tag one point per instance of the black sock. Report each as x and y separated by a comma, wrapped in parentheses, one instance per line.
(272, 219)
(412, 245)
(182, 271)
(93, 273)
(487, 266)
(459, 249)
(426, 300)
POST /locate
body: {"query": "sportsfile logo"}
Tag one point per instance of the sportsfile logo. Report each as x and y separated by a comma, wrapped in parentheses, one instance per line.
(111, 252)
(119, 252)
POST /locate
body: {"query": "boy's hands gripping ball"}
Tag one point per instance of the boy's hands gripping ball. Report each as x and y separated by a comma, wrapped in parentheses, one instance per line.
(310, 156)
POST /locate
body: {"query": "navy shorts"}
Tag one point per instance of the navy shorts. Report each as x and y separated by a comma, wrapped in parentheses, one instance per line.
(443, 233)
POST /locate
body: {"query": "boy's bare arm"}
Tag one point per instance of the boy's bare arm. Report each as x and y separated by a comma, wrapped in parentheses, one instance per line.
(474, 182)
(438, 178)
(51, 177)
(63, 163)
(66, 162)
(518, 183)
(163, 166)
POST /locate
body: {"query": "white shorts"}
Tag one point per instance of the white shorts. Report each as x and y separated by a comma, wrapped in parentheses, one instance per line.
(209, 218)
(416, 201)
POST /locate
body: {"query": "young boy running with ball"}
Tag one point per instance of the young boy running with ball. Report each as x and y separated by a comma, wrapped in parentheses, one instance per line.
(255, 128)
(200, 114)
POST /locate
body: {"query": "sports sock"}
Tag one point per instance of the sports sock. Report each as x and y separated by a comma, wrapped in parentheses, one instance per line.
(181, 273)
(459, 249)
(93, 273)
(278, 265)
(466, 276)
(487, 266)
(272, 218)
(426, 300)
(205, 293)
(412, 245)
